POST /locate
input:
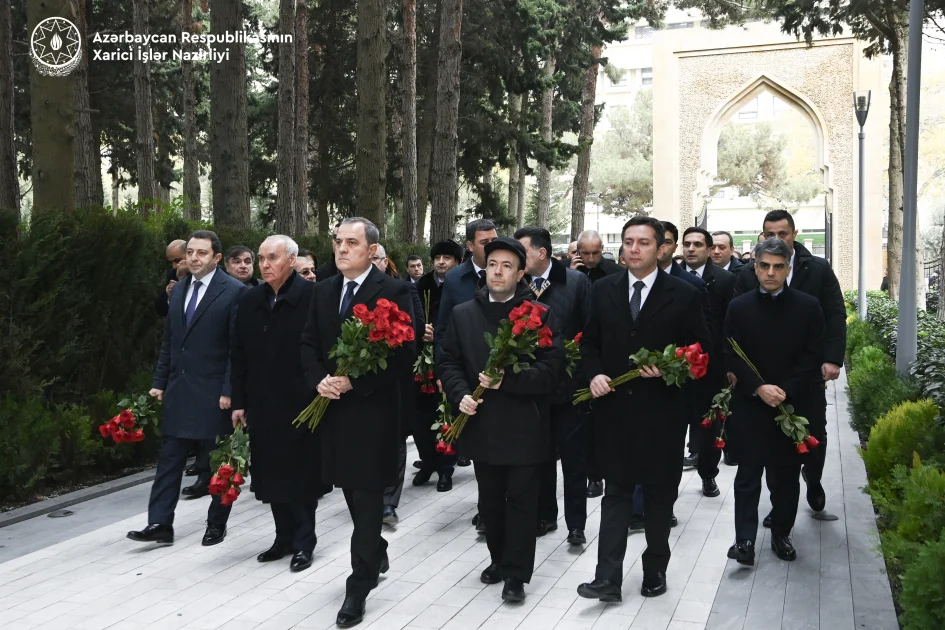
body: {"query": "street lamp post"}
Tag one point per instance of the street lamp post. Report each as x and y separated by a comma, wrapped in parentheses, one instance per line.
(861, 105)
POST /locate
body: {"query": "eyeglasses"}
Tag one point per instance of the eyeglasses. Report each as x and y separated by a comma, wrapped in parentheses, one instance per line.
(377, 258)
(307, 272)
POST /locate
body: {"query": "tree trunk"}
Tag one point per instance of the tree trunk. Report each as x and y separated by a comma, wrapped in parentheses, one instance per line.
(544, 171)
(425, 126)
(285, 162)
(115, 189)
(191, 162)
(229, 148)
(941, 277)
(301, 119)
(520, 205)
(86, 154)
(515, 107)
(585, 140)
(897, 107)
(144, 122)
(9, 184)
(410, 232)
(52, 117)
(444, 179)
(371, 152)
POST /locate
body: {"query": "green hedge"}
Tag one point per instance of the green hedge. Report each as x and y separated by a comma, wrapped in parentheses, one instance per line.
(908, 428)
(875, 387)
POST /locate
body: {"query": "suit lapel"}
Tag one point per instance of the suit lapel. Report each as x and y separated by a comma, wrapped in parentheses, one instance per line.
(621, 298)
(800, 274)
(707, 276)
(217, 286)
(660, 294)
(370, 288)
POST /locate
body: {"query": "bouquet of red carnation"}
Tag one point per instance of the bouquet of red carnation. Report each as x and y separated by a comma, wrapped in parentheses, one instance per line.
(366, 340)
(423, 366)
(792, 425)
(518, 337)
(718, 413)
(676, 365)
(128, 425)
(231, 461)
(572, 348)
(441, 426)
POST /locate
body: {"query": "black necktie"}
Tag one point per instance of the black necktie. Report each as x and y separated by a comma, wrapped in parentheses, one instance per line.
(538, 284)
(192, 305)
(482, 278)
(694, 272)
(349, 295)
(635, 298)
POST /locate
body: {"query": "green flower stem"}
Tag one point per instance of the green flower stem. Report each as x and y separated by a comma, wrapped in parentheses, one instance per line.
(313, 414)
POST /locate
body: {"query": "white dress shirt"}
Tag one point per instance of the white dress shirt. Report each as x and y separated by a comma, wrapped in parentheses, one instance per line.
(204, 283)
(698, 271)
(491, 299)
(477, 268)
(728, 264)
(791, 273)
(648, 284)
(344, 285)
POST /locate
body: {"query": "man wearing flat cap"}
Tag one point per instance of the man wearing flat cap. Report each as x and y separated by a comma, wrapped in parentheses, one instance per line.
(446, 255)
(508, 436)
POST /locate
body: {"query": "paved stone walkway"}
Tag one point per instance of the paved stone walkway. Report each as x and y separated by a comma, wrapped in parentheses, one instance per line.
(80, 572)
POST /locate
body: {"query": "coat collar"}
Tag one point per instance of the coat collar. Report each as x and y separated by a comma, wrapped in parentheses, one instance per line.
(218, 284)
(661, 293)
(290, 292)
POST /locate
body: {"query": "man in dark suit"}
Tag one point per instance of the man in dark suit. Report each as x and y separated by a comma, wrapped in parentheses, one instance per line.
(568, 293)
(192, 379)
(641, 425)
(445, 255)
(723, 252)
(414, 268)
(176, 254)
(509, 436)
(329, 269)
(269, 392)
(697, 243)
(781, 330)
(360, 431)
(238, 262)
(813, 276)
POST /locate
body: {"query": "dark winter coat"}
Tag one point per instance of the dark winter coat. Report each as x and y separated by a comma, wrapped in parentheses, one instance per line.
(784, 339)
(813, 276)
(602, 270)
(361, 431)
(269, 384)
(513, 423)
(460, 286)
(194, 365)
(640, 428)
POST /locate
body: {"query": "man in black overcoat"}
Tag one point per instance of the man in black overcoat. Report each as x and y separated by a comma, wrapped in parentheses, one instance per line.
(360, 431)
(192, 380)
(781, 331)
(269, 392)
(723, 252)
(641, 426)
(176, 254)
(568, 293)
(445, 255)
(508, 435)
(720, 284)
(811, 275)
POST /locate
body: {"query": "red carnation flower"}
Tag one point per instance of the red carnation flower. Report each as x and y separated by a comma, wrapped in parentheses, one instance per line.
(802, 448)
(385, 303)
(544, 342)
(217, 485)
(680, 352)
(375, 335)
(720, 415)
(450, 450)
(430, 375)
(812, 441)
(441, 447)
(115, 422)
(126, 414)
(417, 378)
(237, 479)
(719, 443)
(230, 496)
(444, 428)
(105, 430)
(362, 313)
(518, 328)
(577, 337)
(538, 308)
(225, 471)
(697, 370)
(706, 423)
(522, 310)
(138, 436)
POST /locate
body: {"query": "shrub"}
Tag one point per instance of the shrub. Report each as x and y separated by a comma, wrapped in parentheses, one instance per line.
(875, 388)
(860, 334)
(28, 440)
(908, 428)
(923, 589)
(869, 357)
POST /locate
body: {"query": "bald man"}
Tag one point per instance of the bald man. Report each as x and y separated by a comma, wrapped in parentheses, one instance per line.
(176, 254)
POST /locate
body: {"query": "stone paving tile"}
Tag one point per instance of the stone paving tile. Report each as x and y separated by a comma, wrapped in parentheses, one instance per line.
(81, 572)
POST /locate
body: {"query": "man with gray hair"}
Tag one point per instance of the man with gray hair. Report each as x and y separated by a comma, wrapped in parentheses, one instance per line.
(269, 393)
(781, 330)
(590, 257)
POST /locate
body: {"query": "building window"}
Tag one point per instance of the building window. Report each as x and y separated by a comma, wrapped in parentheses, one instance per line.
(623, 81)
(643, 32)
(750, 110)
(679, 25)
(646, 76)
(613, 238)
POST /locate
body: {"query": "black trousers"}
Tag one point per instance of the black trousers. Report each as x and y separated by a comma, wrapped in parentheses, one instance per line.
(508, 502)
(165, 490)
(568, 427)
(392, 493)
(785, 487)
(590, 456)
(616, 510)
(702, 443)
(295, 525)
(815, 461)
(368, 547)
(426, 447)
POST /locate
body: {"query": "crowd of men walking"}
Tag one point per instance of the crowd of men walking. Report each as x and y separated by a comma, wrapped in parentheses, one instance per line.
(239, 351)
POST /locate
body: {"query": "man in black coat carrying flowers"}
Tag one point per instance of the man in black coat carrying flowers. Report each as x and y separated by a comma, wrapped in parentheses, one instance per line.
(508, 435)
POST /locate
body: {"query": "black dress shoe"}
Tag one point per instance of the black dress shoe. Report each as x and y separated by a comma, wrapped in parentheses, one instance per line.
(636, 523)
(154, 533)
(544, 527)
(480, 525)
(673, 522)
(728, 459)
(191, 471)
(385, 565)
(595, 489)
(200, 489)
(490, 575)
(513, 591)
(710, 488)
(390, 515)
(214, 535)
(351, 613)
(300, 561)
(691, 462)
(782, 548)
(475, 519)
(743, 552)
(418, 463)
(816, 497)
(604, 590)
(577, 537)
(654, 585)
(463, 461)
(445, 483)
(423, 476)
(278, 551)
(767, 521)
